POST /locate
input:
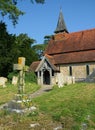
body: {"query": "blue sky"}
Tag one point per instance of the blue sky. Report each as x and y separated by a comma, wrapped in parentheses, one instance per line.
(41, 20)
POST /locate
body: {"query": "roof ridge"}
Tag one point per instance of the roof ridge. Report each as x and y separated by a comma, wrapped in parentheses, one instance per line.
(82, 31)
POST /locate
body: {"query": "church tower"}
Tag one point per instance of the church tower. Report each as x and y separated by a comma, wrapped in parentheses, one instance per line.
(61, 29)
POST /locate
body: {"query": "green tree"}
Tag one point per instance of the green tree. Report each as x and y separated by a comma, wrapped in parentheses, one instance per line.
(12, 47)
(38, 1)
(9, 7)
(8, 50)
(47, 38)
(40, 48)
(25, 48)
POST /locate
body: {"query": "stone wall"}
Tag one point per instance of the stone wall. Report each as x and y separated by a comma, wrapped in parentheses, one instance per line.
(79, 71)
(53, 80)
(92, 67)
(64, 69)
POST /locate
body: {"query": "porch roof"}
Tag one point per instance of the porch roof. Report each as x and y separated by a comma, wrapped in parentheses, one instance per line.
(34, 65)
(50, 60)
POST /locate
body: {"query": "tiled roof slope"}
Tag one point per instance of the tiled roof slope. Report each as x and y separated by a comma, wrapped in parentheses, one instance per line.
(50, 58)
(52, 62)
(34, 65)
(75, 57)
(72, 42)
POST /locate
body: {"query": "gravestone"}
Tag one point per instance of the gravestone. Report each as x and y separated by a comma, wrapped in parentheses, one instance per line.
(14, 80)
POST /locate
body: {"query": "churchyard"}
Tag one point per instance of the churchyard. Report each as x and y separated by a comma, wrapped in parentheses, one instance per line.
(71, 107)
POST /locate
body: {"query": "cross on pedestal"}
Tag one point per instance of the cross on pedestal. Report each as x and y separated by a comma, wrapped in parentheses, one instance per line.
(20, 67)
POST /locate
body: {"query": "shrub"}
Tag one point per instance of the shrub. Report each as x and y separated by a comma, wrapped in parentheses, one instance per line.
(30, 77)
(11, 74)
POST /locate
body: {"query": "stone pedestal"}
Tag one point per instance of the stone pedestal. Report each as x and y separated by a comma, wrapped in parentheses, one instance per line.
(20, 105)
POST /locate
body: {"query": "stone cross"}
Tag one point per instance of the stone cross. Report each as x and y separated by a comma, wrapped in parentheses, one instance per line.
(20, 67)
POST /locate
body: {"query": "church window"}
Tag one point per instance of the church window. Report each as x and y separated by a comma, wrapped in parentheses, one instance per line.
(87, 69)
(70, 70)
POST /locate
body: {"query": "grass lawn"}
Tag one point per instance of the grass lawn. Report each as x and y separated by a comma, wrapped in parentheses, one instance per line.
(72, 106)
(7, 93)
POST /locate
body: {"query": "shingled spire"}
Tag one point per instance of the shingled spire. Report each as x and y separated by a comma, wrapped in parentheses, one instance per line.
(61, 27)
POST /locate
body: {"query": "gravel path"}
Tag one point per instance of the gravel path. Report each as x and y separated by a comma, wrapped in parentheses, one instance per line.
(42, 90)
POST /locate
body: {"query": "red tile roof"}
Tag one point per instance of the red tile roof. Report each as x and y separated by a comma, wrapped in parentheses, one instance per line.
(77, 41)
(34, 65)
(51, 61)
(74, 48)
(50, 58)
(75, 57)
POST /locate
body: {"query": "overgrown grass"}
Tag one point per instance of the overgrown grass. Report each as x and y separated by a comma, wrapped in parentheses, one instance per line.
(71, 106)
(73, 103)
(7, 93)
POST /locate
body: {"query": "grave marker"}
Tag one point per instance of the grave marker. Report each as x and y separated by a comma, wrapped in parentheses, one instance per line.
(20, 67)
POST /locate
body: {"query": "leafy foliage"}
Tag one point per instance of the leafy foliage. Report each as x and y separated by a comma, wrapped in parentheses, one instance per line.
(8, 7)
(26, 50)
(47, 38)
(30, 77)
(11, 74)
(38, 1)
(7, 50)
(39, 49)
(12, 47)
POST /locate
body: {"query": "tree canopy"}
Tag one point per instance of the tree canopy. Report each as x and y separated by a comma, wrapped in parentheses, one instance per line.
(12, 47)
(25, 48)
(9, 7)
(40, 48)
(7, 50)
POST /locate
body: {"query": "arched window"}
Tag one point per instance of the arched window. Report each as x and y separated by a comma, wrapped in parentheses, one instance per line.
(70, 70)
(87, 69)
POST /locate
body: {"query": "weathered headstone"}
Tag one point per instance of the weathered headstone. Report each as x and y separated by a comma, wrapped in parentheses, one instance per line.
(62, 80)
(3, 80)
(14, 80)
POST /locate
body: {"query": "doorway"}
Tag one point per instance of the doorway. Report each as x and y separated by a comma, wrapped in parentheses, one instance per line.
(46, 77)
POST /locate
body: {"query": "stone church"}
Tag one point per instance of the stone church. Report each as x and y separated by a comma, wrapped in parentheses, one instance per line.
(69, 54)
